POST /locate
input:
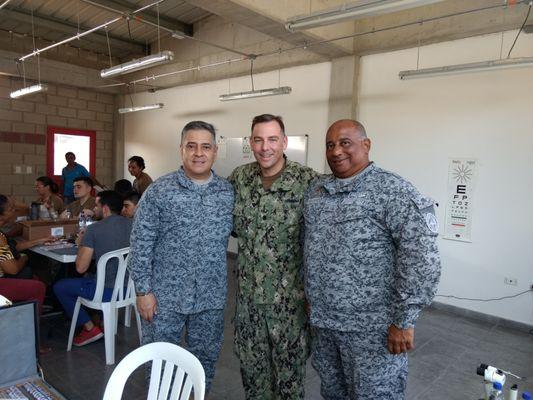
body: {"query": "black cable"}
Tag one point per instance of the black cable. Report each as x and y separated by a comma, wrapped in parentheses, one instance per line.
(494, 299)
(252, 72)
(520, 30)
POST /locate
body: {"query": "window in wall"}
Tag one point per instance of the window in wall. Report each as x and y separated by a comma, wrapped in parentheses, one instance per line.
(61, 141)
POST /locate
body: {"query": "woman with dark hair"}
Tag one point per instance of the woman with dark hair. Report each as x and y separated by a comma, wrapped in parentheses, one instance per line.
(142, 179)
(47, 191)
(12, 264)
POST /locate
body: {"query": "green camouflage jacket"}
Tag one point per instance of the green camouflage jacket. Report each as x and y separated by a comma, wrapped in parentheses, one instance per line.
(269, 226)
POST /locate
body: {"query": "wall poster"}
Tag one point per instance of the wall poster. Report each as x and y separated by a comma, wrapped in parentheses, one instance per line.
(462, 175)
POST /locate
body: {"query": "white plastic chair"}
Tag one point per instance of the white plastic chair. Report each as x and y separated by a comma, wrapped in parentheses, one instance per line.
(186, 369)
(121, 298)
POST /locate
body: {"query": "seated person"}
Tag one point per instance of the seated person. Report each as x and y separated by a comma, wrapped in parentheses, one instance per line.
(17, 209)
(84, 201)
(47, 191)
(129, 205)
(10, 265)
(123, 187)
(111, 233)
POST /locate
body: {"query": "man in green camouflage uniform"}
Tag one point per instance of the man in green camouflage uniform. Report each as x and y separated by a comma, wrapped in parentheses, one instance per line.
(271, 337)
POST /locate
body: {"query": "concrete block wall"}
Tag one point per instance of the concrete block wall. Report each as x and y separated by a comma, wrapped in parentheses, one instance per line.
(23, 126)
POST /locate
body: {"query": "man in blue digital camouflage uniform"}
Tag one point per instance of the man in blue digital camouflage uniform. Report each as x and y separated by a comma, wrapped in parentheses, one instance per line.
(178, 250)
(372, 264)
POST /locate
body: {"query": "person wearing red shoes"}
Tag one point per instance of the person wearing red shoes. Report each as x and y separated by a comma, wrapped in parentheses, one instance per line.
(112, 232)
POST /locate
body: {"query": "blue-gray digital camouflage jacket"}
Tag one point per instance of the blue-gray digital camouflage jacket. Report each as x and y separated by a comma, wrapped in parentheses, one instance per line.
(179, 242)
(370, 251)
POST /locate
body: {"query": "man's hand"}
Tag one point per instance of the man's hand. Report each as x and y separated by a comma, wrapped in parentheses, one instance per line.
(147, 306)
(400, 340)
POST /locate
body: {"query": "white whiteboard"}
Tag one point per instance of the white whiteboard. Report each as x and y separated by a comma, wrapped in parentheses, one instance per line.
(233, 152)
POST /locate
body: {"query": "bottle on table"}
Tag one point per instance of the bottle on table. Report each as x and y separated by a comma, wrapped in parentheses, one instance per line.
(81, 222)
(526, 396)
(53, 214)
(43, 212)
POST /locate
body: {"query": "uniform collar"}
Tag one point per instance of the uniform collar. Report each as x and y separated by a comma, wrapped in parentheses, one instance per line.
(286, 180)
(333, 185)
(187, 182)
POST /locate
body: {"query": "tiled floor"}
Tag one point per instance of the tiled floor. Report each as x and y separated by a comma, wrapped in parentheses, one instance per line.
(442, 366)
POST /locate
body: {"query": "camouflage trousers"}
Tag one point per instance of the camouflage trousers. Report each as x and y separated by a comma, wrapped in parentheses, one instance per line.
(358, 366)
(273, 349)
(203, 334)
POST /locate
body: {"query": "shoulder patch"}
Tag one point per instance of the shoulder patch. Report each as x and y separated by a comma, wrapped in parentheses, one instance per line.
(431, 222)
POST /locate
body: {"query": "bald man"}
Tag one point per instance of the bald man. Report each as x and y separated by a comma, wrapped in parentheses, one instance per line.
(371, 265)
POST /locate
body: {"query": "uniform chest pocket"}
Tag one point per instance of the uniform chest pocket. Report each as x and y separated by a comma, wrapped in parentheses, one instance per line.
(352, 212)
(361, 217)
(318, 211)
(176, 209)
(217, 208)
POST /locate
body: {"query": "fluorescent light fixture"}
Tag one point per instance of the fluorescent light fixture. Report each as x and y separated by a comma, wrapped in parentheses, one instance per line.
(140, 108)
(470, 67)
(178, 35)
(255, 93)
(137, 64)
(362, 9)
(29, 90)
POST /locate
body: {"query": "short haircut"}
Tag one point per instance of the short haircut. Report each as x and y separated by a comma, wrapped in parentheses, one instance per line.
(132, 196)
(46, 181)
(111, 199)
(123, 187)
(138, 160)
(85, 179)
(70, 153)
(260, 119)
(3, 204)
(360, 128)
(199, 125)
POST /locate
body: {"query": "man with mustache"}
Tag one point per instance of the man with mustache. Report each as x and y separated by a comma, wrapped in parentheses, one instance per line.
(178, 251)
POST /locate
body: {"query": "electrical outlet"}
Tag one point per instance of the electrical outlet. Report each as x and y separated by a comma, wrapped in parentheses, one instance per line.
(510, 281)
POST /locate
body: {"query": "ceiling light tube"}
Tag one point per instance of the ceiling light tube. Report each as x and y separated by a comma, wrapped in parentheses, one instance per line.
(354, 12)
(138, 64)
(140, 108)
(470, 67)
(255, 93)
(28, 90)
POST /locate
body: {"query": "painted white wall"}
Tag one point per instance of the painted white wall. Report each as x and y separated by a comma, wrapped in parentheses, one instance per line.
(155, 134)
(417, 125)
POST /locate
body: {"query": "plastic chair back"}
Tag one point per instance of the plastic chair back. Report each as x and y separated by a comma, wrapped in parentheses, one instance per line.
(176, 373)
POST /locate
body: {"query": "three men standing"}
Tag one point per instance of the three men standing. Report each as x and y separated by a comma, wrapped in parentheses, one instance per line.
(271, 338)
(372, 264)
(178, 250)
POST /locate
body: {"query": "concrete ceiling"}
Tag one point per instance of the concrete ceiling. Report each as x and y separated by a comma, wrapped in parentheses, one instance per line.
(217, 31)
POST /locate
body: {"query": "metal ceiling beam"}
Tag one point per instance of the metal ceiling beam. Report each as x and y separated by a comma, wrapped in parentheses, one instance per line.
(149, 16)
(61, 26)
